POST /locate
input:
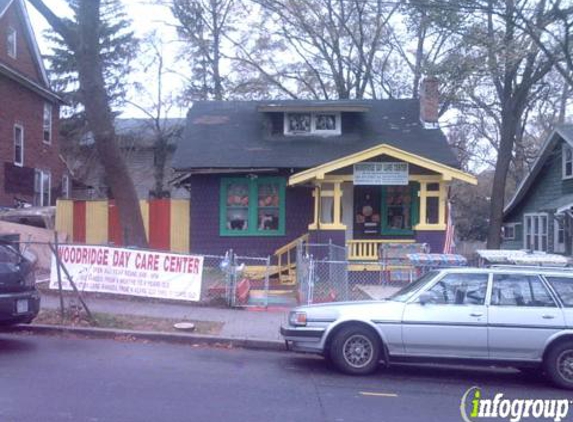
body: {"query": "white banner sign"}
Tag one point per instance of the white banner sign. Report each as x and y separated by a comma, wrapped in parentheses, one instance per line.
(381, 174)
(130, 272)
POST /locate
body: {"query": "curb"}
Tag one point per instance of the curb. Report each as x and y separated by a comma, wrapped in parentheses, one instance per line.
(174, 338)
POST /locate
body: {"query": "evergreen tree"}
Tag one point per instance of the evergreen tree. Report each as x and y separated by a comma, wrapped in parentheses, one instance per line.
(118, 47)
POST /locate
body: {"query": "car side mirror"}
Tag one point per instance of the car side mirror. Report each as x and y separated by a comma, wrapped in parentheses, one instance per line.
(426, 298)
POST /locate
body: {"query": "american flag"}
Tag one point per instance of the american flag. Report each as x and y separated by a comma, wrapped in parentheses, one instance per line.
(450, 243)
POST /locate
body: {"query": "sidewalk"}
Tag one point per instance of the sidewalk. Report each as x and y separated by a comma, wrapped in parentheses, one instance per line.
(237, 323)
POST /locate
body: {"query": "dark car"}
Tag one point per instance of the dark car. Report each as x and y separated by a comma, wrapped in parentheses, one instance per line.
(19, 299)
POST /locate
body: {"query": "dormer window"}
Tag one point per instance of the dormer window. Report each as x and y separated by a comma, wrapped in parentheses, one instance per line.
(567, 154)
(316, 123)
(11, 42)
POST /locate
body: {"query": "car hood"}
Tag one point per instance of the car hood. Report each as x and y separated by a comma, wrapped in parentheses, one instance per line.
(369, 309)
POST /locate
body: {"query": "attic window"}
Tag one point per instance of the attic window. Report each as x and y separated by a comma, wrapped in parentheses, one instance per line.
(316, 123)
(11, 43)
(567, 154)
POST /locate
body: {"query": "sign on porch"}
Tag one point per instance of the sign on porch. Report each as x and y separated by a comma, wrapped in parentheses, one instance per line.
(130, 272)
(381, 174)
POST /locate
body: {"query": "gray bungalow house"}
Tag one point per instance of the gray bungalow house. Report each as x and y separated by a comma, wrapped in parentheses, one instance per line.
(539, 216)
(355, 172)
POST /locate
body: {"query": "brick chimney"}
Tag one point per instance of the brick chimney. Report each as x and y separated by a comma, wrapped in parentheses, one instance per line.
(429, 101)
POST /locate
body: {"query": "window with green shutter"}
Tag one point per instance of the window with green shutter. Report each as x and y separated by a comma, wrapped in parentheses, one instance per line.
(252, 206)
(400, 209)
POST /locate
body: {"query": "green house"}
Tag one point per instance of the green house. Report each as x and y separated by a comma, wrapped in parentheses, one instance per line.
(540, 215)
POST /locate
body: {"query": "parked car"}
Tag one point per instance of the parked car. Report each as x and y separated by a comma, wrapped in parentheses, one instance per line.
(19, 299)
(521, 317)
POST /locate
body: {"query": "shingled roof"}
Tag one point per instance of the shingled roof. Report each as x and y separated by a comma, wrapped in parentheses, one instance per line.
(232, 135)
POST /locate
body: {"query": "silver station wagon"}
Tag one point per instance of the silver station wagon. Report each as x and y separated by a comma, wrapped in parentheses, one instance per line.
(520, 317)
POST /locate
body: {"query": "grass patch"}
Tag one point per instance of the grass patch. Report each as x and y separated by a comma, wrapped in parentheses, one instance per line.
(75, 318)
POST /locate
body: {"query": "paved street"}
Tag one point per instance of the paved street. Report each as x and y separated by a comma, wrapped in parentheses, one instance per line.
(71, 379)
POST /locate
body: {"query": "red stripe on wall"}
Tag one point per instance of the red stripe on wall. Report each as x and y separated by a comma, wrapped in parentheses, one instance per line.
(79, 221)
(160, 224)
(114, 232)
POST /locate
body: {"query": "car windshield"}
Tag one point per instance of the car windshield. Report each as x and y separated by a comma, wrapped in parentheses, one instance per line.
(411, 289)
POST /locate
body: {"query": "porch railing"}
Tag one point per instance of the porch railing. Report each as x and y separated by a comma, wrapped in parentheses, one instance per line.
(367, 250)
(286, 260)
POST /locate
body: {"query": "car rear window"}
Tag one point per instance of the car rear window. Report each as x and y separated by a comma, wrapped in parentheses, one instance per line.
(564, 288)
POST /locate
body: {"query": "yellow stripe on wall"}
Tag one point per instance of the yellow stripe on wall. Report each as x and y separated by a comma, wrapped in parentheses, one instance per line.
(144, 208)
(96, 222)
(180, 225)
(65, 218)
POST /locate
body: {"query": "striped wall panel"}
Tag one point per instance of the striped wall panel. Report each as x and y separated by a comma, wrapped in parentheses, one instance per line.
(180, 212)
(65, 218)
(166, 223)
(96, 222)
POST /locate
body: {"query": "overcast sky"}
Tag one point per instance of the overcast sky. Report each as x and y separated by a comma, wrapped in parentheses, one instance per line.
(146, 18)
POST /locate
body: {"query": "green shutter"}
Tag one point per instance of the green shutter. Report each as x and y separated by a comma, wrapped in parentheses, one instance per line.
(253, 206)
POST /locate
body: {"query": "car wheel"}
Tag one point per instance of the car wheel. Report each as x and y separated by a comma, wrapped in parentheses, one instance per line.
(355, 350)
(559, 365)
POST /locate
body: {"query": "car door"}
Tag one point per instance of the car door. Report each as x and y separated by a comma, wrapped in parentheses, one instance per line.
(563, 287)
(450, 320)
(522, 316)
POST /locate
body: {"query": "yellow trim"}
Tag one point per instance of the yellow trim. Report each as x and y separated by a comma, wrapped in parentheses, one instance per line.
(330, 226)
(336, 195)
(430, 227)
(144, 209)
(384, 149)
(96, 222)
(367, 250)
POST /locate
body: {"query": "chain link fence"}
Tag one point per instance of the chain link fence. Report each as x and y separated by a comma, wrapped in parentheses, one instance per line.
(323, 274)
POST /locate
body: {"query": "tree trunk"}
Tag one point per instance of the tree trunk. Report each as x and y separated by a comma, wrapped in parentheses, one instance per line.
(100, 121)
(507, 138)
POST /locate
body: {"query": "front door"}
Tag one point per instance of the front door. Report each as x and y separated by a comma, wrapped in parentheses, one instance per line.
(522, 317)
(453, 323)
(367, 212)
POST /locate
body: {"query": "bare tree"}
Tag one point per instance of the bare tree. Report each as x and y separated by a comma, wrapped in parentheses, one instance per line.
(204, 25)
(326, 48)
(513, 67)
(83, 40)
(156, 104)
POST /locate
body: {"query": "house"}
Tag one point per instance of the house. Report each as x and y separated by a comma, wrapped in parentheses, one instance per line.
(356, 173)
(33, 172)
(538, 217)
(137, 141)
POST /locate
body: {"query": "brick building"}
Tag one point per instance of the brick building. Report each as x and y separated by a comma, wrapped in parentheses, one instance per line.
(32, 171)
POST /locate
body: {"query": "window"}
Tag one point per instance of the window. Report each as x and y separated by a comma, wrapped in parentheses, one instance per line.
(460, 289)
(252, 206)
(520, 290)
(400, 208)
(11, 42)
(18, 145)
(47, 123)
(564, 288)
(567, 157)
(510, 231)
(65, 186)
(42, 186)
(535, 230)
(312, 123)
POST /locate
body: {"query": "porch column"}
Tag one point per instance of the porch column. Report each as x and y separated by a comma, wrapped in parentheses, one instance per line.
(322, 192)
